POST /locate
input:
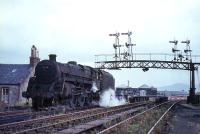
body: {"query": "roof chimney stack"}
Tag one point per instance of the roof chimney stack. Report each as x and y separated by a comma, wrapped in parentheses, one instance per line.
(34, 58)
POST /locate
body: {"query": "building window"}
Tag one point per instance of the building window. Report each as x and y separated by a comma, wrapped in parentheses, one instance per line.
(5, 94)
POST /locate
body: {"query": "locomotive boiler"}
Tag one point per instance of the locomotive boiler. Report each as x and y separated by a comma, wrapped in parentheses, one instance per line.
(70, 84)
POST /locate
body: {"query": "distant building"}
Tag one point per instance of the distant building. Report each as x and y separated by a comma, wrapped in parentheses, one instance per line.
(149, 90)
(127, 91)
(14, 79)
(173, 93)
(143, 90)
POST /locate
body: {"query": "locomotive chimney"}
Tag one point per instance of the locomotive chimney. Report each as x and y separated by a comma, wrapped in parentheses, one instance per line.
(52, 57)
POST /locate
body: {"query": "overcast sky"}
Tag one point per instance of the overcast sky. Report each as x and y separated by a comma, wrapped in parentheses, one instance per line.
(78, 30)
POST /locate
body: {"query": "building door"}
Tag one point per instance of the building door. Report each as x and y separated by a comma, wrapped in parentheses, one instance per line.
(5, 94)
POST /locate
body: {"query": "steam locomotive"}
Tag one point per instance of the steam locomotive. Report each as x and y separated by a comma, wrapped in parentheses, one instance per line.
(70, 84)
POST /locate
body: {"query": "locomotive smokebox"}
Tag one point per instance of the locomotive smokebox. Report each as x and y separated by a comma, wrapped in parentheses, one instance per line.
(52, 57)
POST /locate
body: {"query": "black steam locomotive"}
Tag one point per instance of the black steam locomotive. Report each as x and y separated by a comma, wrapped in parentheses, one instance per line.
(70, 84)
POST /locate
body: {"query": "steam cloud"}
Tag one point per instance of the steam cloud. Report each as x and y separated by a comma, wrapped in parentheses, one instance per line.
(94, 87)
(108, 99)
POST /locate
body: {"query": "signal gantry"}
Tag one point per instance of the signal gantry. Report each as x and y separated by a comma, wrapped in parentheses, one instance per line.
(128, 53)
(128, 59)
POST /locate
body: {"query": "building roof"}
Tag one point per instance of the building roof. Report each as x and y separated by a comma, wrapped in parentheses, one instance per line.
(12, 74)
(144, 86)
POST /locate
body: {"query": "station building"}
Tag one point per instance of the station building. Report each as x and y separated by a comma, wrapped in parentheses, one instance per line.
(14, 79)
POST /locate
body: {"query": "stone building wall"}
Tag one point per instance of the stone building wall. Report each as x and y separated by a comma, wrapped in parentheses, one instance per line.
(15, 91)
(13, 94)
(24, 85)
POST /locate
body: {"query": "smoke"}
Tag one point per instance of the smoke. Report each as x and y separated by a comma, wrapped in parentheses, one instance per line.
(94, 87)
(108, 99)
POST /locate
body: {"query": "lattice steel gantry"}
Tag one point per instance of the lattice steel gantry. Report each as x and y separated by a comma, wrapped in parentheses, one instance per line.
(177, 60)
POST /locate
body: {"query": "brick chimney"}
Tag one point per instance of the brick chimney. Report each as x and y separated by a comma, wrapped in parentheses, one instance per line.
(34, 58)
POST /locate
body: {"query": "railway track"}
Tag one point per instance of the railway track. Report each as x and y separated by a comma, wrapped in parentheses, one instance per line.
(93, 126)
(7, 113)
(17, 126)
(153, 128)
(59, 122)
(123, 126)
(22, 115)
(13, 116)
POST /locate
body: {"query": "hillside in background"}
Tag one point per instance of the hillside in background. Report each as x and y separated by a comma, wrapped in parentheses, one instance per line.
(175, 87)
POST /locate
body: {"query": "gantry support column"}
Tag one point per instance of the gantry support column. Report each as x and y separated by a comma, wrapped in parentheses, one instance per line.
(191, 97)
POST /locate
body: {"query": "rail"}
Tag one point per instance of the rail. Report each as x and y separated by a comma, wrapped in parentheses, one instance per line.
(6, 113)
(152, 129)
(115, 128)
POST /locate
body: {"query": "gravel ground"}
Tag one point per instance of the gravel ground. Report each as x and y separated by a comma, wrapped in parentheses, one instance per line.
(185, 119)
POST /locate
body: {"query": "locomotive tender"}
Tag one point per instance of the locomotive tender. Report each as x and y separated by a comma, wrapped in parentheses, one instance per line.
(69, 84)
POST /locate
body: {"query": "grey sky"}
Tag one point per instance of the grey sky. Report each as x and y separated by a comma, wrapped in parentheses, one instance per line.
(77, 30)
